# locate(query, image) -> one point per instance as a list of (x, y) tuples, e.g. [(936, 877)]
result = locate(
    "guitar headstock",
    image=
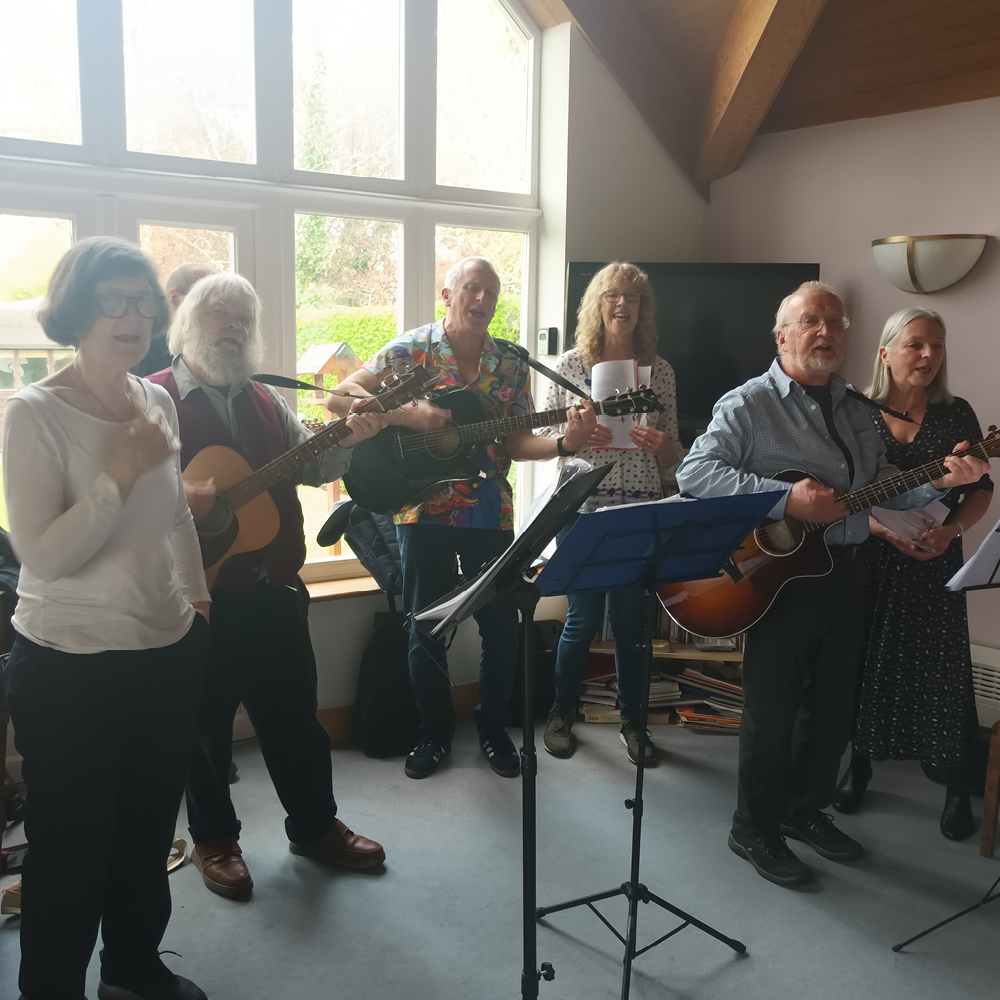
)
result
[(399, 388), (641, 400)]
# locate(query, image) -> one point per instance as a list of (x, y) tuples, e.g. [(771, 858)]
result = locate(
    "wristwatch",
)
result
[(562, 452)]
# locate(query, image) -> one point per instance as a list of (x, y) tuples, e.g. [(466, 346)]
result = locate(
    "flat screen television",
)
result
[(714, 321)]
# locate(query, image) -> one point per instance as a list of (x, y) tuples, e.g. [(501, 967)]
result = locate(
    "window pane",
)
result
[(345, 273), (482, 97), (170, 246), (347, 95), (30, 248), (189, 78), (39, 71)]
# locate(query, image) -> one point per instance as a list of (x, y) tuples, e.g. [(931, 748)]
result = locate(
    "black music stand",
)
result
[(649, 544), (984, 575), (506, 575)]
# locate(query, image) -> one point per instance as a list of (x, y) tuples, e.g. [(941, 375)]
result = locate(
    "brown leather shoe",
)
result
[(342, 847), (222, 868)]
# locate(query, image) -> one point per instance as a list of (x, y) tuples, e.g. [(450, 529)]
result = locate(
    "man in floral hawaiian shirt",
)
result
[(471, 521)]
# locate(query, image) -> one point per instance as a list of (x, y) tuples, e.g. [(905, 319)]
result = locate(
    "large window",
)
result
[(341, 154)]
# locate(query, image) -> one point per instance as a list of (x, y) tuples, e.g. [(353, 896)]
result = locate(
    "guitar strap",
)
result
[(290, 383), (862, 398), (522, 355)]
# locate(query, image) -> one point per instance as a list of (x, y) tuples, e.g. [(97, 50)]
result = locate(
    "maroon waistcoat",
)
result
[(263, 440)]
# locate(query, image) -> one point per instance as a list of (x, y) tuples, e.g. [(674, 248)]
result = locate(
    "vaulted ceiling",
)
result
[(709, 75)]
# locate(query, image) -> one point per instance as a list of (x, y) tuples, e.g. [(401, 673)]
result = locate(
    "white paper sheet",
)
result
[(983, 569), (606, 379), (911, 524)]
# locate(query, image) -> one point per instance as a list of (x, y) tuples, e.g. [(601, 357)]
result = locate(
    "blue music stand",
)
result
[(648, 545)]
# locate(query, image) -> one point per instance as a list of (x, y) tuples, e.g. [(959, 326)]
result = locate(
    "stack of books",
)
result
[(718, 691), (599, 698)]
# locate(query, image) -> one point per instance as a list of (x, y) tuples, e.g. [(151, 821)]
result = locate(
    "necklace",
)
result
[(114, 416)]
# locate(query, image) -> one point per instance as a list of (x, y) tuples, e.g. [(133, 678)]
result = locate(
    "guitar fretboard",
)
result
[(486, 430), (885, 489)]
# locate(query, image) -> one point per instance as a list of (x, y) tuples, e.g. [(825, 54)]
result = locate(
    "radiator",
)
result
[(986, 680)]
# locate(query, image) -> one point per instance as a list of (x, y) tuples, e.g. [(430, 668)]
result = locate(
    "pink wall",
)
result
[(823, 194)]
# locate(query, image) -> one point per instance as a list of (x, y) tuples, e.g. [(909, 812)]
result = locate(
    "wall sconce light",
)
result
[(927, 263)]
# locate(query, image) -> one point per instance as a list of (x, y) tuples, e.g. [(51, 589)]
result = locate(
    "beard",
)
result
[(821, 363), (226, 364)]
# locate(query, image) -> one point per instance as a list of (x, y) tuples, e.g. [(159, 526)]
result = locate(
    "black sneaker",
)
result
[(771, 856), (425, 757), (500, 751), (822, 836), (629, 736)]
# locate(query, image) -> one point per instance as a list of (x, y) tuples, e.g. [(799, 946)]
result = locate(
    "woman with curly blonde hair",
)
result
[(617, 322)]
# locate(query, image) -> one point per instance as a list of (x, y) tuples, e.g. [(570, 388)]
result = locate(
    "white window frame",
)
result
[(107, 189)]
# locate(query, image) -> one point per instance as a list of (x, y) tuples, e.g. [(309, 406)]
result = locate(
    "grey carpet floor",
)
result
[(443, 919)]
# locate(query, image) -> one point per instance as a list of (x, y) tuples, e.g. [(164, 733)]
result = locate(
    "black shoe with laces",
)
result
[(501, 753), (818, 831), (158, 984), (771, 856), (424, 758)]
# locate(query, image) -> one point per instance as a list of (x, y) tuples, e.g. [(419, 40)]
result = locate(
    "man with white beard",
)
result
[(261, 653), (801, 660)]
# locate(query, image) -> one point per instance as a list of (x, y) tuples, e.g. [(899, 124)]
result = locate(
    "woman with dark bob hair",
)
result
[(112, 635)]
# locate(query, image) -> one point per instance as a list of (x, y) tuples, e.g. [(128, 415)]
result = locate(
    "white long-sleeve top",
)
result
[(96, 573)]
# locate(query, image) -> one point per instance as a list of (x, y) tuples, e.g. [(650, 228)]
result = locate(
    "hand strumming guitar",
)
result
[(812, 501)]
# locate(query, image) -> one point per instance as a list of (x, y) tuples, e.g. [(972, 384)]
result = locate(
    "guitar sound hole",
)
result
[(443, 442), (780, 538)]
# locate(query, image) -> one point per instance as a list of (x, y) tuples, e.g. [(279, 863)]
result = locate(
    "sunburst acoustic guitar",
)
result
[(249, 513), (400, 465), (779, 552)]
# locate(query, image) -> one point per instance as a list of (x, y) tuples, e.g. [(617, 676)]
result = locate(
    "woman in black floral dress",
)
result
[(916, 698)]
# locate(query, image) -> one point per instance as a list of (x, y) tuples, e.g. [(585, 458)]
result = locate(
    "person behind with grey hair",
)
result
[(472, 520), (261, 653), (179, 282), (916, 698), (799, 661)]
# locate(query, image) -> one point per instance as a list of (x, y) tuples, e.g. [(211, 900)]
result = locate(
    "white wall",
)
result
[(823, 194)]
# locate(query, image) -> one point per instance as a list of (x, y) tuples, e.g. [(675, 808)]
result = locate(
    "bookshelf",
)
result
[(677, 651)]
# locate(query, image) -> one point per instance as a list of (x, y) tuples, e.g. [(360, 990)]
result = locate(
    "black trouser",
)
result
[(800, 668), (428, 553), (262, 655), (105, 739)]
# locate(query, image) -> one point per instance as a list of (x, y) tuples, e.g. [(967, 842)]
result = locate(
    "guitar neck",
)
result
[(284, 466), (885, 489), (485, 430)]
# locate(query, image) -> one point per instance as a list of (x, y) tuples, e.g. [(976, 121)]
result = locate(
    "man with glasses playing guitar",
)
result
[(801, 657), (261, 653), (467, 520)]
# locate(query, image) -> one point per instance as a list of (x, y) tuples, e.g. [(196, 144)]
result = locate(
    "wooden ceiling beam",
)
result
[(762, 42), (642, 70)]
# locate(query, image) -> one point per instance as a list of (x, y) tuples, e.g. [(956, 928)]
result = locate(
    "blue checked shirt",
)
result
[(771, 425)]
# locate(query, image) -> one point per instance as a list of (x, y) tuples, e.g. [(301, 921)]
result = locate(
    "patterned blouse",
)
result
[(637, 476), (504, 386)]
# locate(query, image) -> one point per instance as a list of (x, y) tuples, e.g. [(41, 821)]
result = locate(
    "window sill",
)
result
[(340, 590)]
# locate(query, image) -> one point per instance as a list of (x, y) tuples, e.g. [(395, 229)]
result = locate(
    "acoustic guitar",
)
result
[(780, 551), (242, 502), (400, 465)]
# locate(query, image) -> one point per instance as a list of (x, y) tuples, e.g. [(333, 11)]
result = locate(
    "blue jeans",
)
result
[(585, 612), (429, 554)]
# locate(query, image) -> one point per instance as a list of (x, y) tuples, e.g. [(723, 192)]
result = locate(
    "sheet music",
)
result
[(607, 378), (983, 569), (911, 524)]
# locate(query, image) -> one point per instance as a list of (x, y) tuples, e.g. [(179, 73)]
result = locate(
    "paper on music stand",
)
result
[(983, 569), (574, 467), (608, 378)]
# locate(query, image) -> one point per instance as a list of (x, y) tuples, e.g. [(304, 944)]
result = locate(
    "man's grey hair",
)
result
[(454, 275), (216, 288), (781, 316), (881, 383), (185, 276)]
